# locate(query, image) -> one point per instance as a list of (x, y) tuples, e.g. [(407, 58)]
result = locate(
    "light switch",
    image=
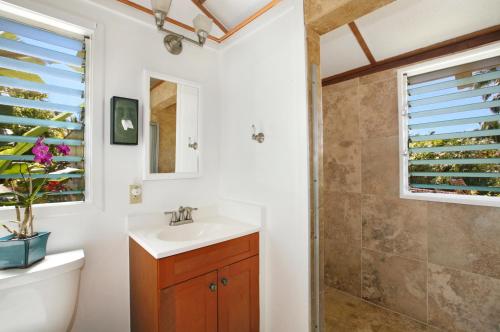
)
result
[(135, 193)]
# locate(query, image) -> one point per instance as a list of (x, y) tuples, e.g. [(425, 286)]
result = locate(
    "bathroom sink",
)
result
[(162, 240), (193, 231)]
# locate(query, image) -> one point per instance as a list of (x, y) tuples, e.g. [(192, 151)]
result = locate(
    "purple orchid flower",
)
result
[(63, 149), (41, 152)]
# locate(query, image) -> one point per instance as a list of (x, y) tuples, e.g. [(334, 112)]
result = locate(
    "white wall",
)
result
[(257, 78), (129, 47), (263, 82)]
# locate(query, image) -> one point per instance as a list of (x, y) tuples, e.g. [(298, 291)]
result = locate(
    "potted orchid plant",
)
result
[(24, 247)]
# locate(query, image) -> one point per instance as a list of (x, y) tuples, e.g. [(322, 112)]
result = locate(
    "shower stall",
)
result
[(380, 261)]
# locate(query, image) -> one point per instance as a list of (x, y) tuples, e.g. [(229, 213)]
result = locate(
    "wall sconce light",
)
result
[(173, 41), (257, 137)]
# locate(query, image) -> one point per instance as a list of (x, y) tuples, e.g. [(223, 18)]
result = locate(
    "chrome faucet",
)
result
[(182, 216)]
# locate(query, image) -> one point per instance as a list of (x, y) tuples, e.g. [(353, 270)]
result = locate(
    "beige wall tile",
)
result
[(378, 111), (339, 87), (343, 152), (343, 266), (394, 282), (342, 177), (385, 75), (395, 226), (380, 166), (462, 301), (465, 237), (340, 115), (342, 216)]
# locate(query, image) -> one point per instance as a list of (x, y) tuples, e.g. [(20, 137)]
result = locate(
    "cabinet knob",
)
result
[(212, 287), (224, 281)]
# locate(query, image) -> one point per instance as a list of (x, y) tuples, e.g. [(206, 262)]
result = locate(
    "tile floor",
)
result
[(346, 313)]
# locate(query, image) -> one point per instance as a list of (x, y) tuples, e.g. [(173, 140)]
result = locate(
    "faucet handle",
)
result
[(189, 211), (173, 215)]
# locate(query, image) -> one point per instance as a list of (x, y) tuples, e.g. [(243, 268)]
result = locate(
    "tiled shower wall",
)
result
[(438, 263)]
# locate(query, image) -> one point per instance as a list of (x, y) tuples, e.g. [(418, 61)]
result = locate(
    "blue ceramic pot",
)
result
[(22, 253)]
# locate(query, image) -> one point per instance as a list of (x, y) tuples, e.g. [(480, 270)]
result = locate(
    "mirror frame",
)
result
[(147, 175)]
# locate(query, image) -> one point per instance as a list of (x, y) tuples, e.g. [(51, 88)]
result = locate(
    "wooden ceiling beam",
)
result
[(362, 42), (199, 4), (465, 42), (250, 19)]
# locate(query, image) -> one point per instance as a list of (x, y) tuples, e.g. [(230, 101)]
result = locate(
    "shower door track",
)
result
[(316, 127)]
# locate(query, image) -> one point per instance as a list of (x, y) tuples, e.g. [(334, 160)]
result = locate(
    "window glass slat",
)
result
[(454, 96), (454, 122), (463, 161), (40, 35), (34, 68), (465, 134), (39, 52), (25, 157), (452, 187), (41, 105), (413, 91), (39, 87), (458, 174), (40, 122), (42, 176), (477, 147), (454, 109), (28, 139)]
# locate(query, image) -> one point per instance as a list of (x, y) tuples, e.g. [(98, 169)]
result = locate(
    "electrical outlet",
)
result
[(135, 193)]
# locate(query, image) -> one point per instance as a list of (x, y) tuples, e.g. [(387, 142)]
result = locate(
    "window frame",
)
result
[(53, 20), (472, 55)]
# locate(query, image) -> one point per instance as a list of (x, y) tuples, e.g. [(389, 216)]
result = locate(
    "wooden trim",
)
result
[(228, 33), (168, 19), (250, 19), (199, 4), (362, 42), (465, 42)]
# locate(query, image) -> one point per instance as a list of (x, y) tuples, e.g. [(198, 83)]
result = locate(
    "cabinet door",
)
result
[(239, 296), (190, 306)]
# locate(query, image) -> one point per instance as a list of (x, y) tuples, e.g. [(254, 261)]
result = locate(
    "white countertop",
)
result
[(162, 240)]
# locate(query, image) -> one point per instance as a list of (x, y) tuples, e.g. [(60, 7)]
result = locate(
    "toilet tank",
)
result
[(43, 297)]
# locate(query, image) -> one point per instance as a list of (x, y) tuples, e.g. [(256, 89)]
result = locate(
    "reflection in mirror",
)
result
[(163, 104), (172, 129)]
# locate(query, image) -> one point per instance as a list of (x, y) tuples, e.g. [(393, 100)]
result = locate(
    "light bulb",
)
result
[(202, 23), (161, 5)]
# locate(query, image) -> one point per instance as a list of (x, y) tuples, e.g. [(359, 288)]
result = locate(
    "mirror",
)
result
[(170, 127)]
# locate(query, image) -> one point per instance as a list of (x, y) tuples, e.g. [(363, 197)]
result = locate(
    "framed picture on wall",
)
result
[(124, 121)]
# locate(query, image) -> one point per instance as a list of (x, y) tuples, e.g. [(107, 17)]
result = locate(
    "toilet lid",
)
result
[(52, 265)]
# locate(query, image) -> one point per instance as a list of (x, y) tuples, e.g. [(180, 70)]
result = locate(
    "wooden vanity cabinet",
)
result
[(214, 288)]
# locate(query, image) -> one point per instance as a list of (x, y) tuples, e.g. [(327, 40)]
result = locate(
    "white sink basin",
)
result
[(162, 240), (194, 231)]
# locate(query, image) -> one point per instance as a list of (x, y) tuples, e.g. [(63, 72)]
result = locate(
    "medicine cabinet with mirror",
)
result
[(171, 146)]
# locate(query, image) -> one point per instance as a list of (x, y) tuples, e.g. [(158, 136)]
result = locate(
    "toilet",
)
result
[(43, 297)]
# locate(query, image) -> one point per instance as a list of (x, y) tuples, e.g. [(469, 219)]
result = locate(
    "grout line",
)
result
[(360, 198), (384, 308), (427, 263), (464, 271), (396, 255)]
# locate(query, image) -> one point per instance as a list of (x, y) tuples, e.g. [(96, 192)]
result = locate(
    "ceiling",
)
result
[(229, 16), (404, 26)]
